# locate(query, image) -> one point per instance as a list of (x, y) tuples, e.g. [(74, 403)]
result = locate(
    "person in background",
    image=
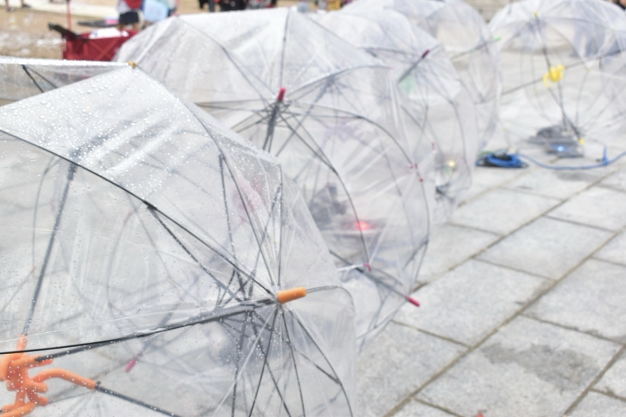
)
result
[(22, 5), (232, 5), (211, 4), (129, 14)]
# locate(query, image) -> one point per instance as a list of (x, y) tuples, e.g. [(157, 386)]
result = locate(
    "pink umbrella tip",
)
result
[(413, 301), (426, 52), (281, 94), (130, 364)]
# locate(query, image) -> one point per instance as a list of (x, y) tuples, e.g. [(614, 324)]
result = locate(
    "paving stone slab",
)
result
[(450, 245), (415, 409), (597, 206), (467, 303), (501, 211), (546, 247), (590, 299), (529, 368), (485, 179), (395, 364), (615, 250), (614, 380), (616, 180), (555, 184), (598, 405)]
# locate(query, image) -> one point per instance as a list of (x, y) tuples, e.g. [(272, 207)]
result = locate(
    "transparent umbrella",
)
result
[(439, 111), (156, 263), (26, 77), (328, 111), (565, 72), (468, 42)]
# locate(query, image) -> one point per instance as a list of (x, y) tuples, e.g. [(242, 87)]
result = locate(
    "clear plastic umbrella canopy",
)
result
[(439, 112), (154, 263), (328, 111), (564, 72), (468, 42), (26, 77)]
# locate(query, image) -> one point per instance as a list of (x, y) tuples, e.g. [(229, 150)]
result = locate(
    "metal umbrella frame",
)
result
[(564, 67), (329, 112), (439, 112), (163, 264)]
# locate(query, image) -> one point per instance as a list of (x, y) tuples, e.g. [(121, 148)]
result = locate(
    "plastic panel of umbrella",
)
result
[(24, 77), (439, 112), (148, 253), (565, 73), (470, 46), (328, 111)]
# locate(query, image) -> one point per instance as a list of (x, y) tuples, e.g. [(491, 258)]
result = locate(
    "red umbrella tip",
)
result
[(413, 301), (131, 364), (281, 94)]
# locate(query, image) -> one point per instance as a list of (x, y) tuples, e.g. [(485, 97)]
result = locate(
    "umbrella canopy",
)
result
[(156, 263), (565, 72), (328, 111), (26, 77), (469, 43), (440, 112)]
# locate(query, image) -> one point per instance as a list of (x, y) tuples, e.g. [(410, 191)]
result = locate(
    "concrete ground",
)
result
[(523, 298)]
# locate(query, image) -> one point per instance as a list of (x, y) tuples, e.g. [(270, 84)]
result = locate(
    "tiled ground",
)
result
[(523, 298)]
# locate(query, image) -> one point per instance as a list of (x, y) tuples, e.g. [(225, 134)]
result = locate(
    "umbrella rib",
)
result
[(33, 79), (36, 208), (266, 356), (44, 266), (293, 358), (242, 334), (284, 48), (200, 319), (226, 211), (112, 393), (280, 226)]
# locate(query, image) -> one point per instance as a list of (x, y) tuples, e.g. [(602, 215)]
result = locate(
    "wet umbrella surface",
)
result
[(327, 110), (26, 77), (155, 263)]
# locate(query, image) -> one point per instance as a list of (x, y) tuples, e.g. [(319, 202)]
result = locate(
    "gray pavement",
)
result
[(523, 298)]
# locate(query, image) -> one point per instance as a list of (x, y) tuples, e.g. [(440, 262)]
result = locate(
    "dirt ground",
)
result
[(24, 32)]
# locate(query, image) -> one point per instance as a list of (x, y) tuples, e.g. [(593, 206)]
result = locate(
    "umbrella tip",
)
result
[(131, 364), (132, 64), (413, 301), (281, 94), (426, 52), (285, 296)]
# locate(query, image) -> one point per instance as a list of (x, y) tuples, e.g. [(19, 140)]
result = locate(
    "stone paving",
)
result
[(523, 298)]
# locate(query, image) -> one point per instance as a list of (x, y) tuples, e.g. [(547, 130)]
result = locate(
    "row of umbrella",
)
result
[(218, 222), (160, 261)]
